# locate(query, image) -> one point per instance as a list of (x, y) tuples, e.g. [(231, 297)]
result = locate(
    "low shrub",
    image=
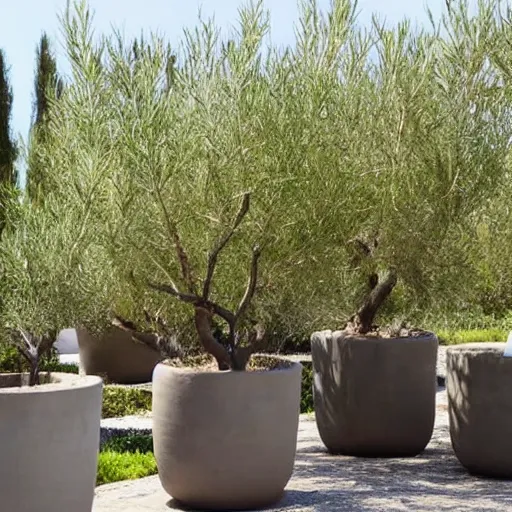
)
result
[(449, 337), (123, 401), (60, 367), (10, 360), (120, 401), (114, 466), (130, 444)]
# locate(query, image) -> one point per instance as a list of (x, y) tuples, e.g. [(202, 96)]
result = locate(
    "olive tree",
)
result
[(43, 265), (364, 156), (414, 129), (183, 171)]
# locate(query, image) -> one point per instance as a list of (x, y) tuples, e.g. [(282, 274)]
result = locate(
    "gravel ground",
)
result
[(431, 482)]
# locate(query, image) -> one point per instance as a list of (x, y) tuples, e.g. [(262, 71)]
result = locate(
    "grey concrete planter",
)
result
[(50, 437), (225, 440), (117, 356), (374, 397), (479, 386)]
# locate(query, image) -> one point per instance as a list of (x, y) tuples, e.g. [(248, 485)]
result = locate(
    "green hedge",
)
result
[(114, 466), (133, 443), (306, 398), (126, 458), (124, 401), (456, 337)]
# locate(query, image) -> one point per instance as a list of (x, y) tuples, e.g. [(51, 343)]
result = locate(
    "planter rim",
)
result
[(426, 335), (60, 382), (483, 346), (292, 367)]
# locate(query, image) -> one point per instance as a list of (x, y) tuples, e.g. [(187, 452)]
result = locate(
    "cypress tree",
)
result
[(47, 80), (7, 145), (47, 84)]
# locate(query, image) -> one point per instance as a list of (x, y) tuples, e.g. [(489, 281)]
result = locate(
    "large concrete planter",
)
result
[(117, 356), (225, 440), (480, 407), (50, 440), (374, 397)]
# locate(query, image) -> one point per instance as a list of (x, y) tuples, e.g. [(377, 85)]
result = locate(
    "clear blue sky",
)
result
[(23, 21)]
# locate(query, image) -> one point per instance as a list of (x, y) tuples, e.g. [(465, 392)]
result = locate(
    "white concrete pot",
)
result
[(49, 443), (225, 440)]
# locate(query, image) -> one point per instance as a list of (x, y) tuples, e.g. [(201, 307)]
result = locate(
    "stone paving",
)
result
[(431, 482)]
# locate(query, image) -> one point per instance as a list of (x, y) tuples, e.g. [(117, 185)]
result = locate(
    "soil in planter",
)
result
[(20, 380), (207, 363), (387, 332)]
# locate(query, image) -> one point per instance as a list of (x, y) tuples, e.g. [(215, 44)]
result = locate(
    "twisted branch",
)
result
[(32, 348), (234, 356), (195, 300), (251, 285)]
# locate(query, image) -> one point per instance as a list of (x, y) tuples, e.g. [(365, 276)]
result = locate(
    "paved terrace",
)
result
[(431, 482)]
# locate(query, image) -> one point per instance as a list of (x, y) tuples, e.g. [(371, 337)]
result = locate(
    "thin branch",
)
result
[(195, 300), (186, 269), (172, 290), (251, 285), (28, 343), (32, 352), (221, 243)]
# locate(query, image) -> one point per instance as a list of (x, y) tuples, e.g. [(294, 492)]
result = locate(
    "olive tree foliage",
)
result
[(47, 275), (178, 154), (291, 187), (420, 138), (492, 256)]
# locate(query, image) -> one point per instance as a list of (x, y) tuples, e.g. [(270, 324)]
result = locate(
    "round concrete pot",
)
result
[(117, 356), (374, 397), (225, 440), (478, 380), (50, 439)]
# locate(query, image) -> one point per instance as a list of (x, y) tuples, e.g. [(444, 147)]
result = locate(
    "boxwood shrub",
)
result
[(124, 401), (114, 466)]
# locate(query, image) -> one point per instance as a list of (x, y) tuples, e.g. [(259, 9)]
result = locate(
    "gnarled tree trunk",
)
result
[(363, 320)]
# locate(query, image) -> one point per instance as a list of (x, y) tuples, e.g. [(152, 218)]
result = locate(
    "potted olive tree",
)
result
[(424, 147), (50, 423), (198, 406), (478, 374), (185, 152), (121, 343)]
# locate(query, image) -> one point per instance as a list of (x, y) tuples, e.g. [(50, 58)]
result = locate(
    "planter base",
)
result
[(50, 439), (374, 397), (225, 440), (480, 407)]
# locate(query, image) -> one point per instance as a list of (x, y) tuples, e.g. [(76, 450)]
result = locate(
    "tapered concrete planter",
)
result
[(117, 356), (480, 407), (49, 443), (374, 396), (225, 440)]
